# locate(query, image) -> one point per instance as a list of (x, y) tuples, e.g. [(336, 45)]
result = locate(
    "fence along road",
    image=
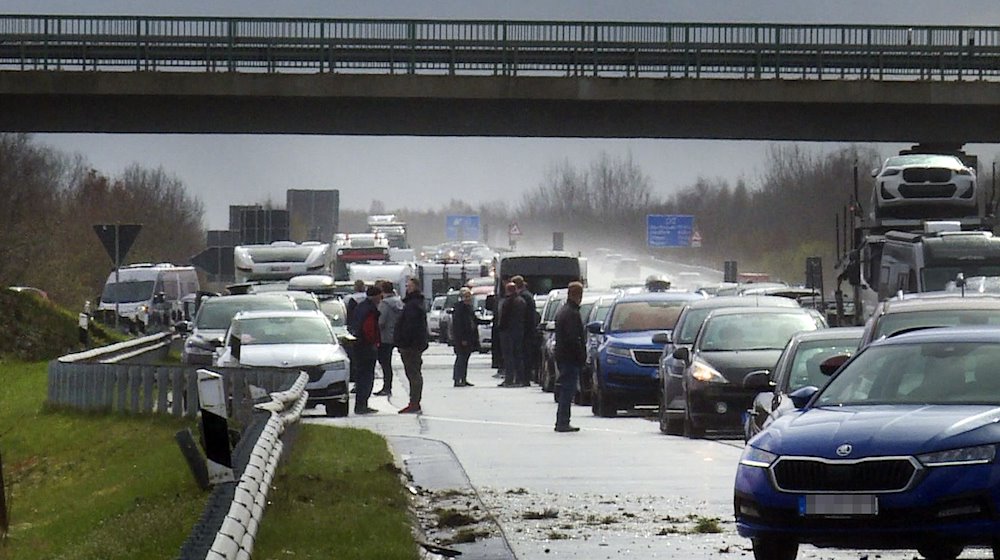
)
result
[(510, 48)]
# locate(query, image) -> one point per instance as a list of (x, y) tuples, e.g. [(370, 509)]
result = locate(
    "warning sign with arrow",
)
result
[(696, 238)]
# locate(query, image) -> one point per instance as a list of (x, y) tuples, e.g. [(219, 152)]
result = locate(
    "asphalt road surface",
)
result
[(618, 488)]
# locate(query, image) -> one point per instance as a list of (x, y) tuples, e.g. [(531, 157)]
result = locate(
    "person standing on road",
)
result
[(412, 340), (364, 327), (570, 354), (511, 328), (464, 336), (389, 311), (350, 304), (531, 353)]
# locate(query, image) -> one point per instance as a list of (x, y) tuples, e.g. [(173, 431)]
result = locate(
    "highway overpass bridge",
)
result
[(499, 78)]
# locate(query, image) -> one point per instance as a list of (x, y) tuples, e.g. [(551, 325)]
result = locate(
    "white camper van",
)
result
[(134, 291)]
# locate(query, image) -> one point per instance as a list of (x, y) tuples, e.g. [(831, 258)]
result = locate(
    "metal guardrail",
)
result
[(509, 48), (123, 351)]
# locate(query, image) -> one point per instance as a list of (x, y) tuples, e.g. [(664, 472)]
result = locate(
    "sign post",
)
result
[(513, 232), (669, 230), (117, 239)]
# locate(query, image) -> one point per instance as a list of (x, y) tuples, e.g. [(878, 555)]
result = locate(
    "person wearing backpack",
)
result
[(364, 326), (412, 340)]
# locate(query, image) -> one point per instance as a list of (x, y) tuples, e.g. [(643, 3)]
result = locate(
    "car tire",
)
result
[(774, 548), (692, 430), (549, 378), (338, 409), (941, 551), (601, 404)]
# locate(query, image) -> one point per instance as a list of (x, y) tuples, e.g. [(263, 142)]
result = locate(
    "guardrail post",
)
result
[(191, 394), (212, 396), (148, 382), (134, 384), (177, 392)]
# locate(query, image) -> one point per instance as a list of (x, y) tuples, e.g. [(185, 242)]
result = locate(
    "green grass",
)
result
[(336, 495), (87, 486)]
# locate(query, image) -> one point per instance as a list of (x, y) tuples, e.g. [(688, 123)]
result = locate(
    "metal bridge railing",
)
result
[(613, 49)]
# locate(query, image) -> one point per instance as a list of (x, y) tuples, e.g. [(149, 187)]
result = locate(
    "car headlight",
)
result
[(339, 365), (890, 172), (979, 455), (964, 171), (755, 457), (706, 373), (619, 351)]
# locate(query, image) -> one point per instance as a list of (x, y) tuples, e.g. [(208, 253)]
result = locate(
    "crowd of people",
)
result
[(381, 321)]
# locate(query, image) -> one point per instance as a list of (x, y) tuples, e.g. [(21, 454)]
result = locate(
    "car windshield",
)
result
[(925, 373), (306, 303), (692, 322), (128, 291), (283, 330), (600, 311), (218, 312), (892, 323), (334, 310), (753, 331), (804, 370), (928, 160), (645, 315)]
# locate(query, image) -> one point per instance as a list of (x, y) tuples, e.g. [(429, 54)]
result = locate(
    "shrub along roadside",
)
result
[(336, 495), (88, 486)]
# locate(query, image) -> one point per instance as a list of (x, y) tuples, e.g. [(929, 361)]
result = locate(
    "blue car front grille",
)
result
[(797, 474)]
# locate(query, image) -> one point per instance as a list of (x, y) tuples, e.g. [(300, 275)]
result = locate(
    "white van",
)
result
[(134, 292)]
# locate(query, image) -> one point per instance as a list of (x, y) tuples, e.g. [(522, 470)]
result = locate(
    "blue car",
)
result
[(897, 450), (624, 373)]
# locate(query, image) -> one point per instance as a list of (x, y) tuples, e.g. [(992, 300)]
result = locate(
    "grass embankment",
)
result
[(336, 495), (111, 486), (88, 486)]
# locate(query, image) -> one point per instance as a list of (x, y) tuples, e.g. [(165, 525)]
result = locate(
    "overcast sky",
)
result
[(427, 172)]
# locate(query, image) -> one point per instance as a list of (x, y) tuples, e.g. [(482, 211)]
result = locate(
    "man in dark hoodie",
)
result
[(411, 339), (364, 327)]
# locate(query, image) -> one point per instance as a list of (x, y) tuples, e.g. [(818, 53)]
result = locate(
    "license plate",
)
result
[(280, 268), (838, 505)]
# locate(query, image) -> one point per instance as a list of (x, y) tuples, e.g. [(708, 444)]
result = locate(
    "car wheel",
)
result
[(549, 382), (337, 409), (694, 431), (774, 548), (601, 404), (941, 551)]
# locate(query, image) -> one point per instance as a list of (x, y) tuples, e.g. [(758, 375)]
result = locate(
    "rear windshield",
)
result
[(646, 315), (217, 313), (893, 323)]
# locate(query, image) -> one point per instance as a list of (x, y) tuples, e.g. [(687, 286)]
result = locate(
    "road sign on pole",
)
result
[(117, 239), (461, 227), (669, 230)]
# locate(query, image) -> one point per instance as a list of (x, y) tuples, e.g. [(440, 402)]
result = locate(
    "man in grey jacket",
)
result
[(389, 310)]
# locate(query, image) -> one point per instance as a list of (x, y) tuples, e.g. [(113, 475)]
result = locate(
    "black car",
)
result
[(671, 410), (797, 367), (731, 344)]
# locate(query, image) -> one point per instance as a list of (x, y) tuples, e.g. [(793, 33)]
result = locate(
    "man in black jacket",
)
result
[(570, 354), (412, 339), (464, 336)]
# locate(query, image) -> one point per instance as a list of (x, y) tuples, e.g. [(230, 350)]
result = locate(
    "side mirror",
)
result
[(450, 310), (595, 327), (662, 338), (491, 303), (683, 354), (234, 346), (875, 172), (758, 381), (832, 364), (801, 396), (550, 326)]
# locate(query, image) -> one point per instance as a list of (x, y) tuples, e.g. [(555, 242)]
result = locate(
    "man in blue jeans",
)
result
[(570, 354)]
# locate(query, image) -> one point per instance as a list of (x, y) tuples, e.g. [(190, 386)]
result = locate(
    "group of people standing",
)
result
[(380, 321)]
